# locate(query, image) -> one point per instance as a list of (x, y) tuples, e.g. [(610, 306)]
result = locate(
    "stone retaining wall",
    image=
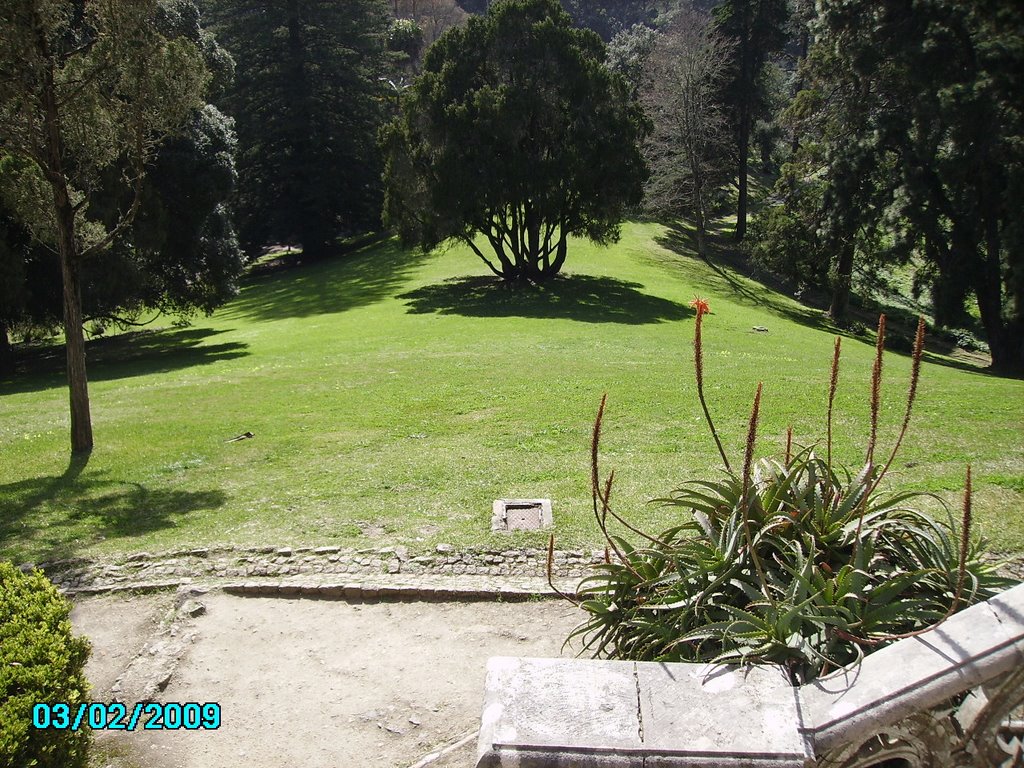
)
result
[(268, 562), (278, 562)]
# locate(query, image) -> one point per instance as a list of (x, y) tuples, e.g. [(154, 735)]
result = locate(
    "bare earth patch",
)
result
[(319, 684)]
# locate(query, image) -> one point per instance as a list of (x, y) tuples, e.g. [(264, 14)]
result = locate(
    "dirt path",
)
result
[(319, 684)]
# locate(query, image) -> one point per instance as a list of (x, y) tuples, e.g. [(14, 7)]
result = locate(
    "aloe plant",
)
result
[(792, 561)]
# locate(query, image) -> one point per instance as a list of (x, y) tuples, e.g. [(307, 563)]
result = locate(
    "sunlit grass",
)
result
[(391, 391)]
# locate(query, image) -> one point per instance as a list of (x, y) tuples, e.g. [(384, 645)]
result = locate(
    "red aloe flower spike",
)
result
[(915, 375), (748, 456), (595, 441), (876, 387), (965, 539), (748, 463), (698, 366), (701, 305)]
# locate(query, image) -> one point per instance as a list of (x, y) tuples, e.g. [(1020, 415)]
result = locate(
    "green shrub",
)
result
[(790, 561), (784, 241), (40, 661)]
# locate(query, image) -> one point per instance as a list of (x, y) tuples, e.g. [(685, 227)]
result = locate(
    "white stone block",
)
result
[(704, 715), (545, 711), (915, 673)]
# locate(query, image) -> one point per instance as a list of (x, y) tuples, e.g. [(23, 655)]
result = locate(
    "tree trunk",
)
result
[(6, 351), (560, 252), (74, 338), (841, 288), (741, 202), (702, 246), (743, 137), (536, 259), (67, 249), (698, 207), (312, 217), (805, 39), (1004, 339)]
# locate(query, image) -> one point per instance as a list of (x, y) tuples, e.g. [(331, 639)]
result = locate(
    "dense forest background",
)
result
[(869, 145)]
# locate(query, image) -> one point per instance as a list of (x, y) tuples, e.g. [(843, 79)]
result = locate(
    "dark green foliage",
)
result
[(609, 17), (516, 130), (40, 662), (180, 253), (784, 240), (307, 100), (758, 30), (914, 125)]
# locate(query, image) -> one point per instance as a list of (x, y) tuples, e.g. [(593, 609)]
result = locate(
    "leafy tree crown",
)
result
[(515, 129)]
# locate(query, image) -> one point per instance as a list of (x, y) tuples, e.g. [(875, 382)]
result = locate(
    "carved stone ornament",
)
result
[(981, 729)]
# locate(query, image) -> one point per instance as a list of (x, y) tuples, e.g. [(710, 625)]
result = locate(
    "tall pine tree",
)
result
[(307, 101), (757, 29)]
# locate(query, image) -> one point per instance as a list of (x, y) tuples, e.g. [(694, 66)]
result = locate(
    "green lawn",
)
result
[(393, 396)]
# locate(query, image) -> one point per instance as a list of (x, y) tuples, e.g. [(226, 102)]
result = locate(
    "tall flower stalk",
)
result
[(832, 384), (703, 308), (915, 375), (746, 497), (876, 388)]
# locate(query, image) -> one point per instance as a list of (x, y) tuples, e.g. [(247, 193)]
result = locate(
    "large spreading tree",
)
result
[(308, 98), (179, 255), (86, 87), (517, 131)]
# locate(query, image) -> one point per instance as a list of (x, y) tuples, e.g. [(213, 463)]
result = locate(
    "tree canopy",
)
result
[(757, 29), (87, 91), (688, 149), (912, 143), (307, 99), (515, 130)]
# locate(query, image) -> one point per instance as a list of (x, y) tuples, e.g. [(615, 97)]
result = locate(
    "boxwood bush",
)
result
[(40, 661)]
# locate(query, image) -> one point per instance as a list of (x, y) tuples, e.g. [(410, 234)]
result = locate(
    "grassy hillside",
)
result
[(392, 396)]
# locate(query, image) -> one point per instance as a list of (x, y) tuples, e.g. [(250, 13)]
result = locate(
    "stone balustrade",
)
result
[(943, 698)]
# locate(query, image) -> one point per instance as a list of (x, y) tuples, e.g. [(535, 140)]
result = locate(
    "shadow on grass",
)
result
[(727, 261), (47, 518), (334, 284), (586, 298), (119, 357)]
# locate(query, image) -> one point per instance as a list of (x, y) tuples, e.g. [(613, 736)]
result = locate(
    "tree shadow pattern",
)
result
[(326, 286), (727, 261), (123, 356), (51, 517), (585, 298)]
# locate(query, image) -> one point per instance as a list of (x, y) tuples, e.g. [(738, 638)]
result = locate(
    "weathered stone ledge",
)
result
[(145, 571), (325, 571)]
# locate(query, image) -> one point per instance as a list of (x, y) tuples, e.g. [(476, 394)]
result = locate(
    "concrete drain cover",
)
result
[(521, 514)]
